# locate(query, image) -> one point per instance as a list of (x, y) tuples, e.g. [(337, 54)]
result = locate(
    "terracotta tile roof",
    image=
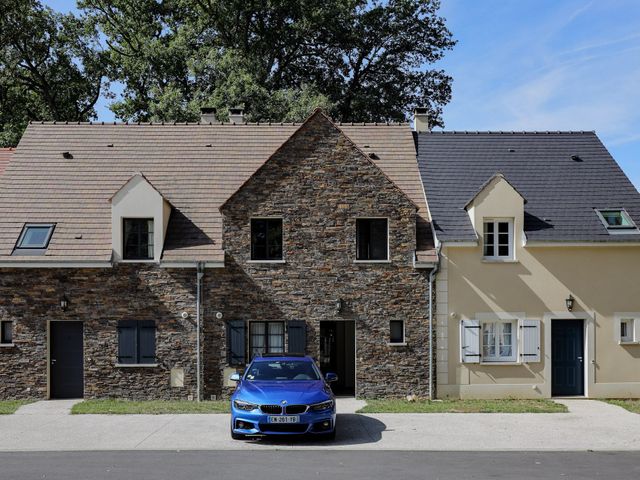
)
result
[(195, 167), (5, 157)]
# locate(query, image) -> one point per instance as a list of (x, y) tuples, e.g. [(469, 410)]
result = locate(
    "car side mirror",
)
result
[(331, 377), (235, 377)]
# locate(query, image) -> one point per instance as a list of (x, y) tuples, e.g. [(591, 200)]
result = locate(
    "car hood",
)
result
[(296, 392)]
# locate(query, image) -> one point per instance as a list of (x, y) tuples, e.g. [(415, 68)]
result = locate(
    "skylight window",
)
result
[(616, 219), (35, 236)]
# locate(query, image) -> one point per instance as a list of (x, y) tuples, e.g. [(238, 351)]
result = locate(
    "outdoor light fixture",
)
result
[(339, 305), (569, 302), (64, 302)]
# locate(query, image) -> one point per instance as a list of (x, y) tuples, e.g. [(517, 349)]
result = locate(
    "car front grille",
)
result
[(271, 409), (295, 409)]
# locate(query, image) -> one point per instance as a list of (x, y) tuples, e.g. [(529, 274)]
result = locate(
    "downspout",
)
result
[(199, 275), (432, 276)]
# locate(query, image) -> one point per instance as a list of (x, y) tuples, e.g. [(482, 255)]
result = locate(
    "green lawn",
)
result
[(633, 405), (153, 407), (462, 406), (7, 407)]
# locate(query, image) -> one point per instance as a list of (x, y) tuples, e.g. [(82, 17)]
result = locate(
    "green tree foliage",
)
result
[(362, 60), (51, 67)]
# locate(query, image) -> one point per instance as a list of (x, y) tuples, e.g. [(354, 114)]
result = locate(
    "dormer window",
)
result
[(138, 238), (34, 238), (616, 219), (498, 239)]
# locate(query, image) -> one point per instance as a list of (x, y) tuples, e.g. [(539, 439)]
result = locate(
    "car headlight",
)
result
[(242, 405), (322, 406)]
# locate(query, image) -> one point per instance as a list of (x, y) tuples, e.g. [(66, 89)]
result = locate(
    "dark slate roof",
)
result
[(561, 192)]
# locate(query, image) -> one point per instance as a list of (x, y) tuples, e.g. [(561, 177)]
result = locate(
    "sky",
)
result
[(538, 65)]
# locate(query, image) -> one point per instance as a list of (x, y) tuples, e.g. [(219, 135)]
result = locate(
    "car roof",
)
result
[(271, 358)]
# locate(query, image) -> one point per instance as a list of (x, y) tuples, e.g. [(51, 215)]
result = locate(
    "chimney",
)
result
[(236, 115), (208, 115), (421, 119)]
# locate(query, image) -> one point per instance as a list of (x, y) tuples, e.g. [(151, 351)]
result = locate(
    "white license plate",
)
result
[(285, 419)]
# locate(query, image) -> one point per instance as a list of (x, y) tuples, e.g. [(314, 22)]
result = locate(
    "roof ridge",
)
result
[(509, 132), (171, 123)]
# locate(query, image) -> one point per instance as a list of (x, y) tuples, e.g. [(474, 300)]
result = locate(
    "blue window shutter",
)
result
[(236, 342), (127, 344), (147, 341), (297, 336)]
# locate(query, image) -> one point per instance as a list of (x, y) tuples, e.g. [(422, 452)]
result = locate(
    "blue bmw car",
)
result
[(283, 395)]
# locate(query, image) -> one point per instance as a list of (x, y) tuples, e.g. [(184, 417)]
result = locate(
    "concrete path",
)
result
[(48, 407), (590, 425)]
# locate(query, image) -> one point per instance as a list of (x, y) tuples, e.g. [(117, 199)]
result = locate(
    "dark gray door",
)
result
[(67, 363), (567, 357), (337, 354)]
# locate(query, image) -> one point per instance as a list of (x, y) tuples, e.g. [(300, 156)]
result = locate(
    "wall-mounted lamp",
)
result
[(64, 302), (569, 301), (339, 305)]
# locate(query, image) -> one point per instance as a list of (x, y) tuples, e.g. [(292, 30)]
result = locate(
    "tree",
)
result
[(51, 67), (360, 59)]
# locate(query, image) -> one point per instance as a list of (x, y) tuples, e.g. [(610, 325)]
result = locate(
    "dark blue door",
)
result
[(67, 371), (567, 357)]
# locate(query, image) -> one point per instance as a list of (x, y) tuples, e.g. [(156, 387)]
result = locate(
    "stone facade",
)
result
[(319, 183), (99, 298)]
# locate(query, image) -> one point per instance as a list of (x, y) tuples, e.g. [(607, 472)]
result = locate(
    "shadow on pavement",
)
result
[(353, 429)]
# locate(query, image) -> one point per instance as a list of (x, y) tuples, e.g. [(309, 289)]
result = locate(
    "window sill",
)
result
[(399, 344), (509, 363), (7, 345), (137, 365), (372, 261), (498, 260), (621, 342), (267, 261)]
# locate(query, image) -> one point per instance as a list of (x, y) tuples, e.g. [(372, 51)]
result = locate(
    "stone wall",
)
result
[(99, 298), (319, 183)]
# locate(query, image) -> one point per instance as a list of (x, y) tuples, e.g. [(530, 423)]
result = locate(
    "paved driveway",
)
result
[(590, 425)]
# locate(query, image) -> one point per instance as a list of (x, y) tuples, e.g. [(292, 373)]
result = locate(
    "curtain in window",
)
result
[(258, 338), (497, 341), (276, 337)]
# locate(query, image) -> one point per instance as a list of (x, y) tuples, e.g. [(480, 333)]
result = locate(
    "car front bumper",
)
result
[(257, 423)]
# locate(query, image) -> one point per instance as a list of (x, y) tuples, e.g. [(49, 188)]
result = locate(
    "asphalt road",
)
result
[(281, 465)]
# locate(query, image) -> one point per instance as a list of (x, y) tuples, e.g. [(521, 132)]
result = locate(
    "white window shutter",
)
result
[(530, 341), (470, 341), (635, 335)]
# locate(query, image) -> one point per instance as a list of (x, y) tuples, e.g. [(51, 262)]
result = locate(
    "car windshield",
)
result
[(282, 370)]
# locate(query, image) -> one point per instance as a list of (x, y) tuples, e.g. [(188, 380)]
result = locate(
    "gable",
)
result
[(317, 135)]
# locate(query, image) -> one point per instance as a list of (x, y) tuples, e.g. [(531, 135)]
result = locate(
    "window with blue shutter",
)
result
[(136, 342)]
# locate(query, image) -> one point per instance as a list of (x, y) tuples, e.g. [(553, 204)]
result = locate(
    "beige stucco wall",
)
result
[(138, 199), (604, 281)]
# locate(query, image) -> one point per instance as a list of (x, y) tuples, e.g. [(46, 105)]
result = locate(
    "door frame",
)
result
[(49, 351), (588, 336), (355, 348)]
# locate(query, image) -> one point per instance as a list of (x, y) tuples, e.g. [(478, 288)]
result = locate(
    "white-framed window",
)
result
[(627, 327), (616, 219), (6, 332), (498, 241), (266, 337), (500, 341), (626, 330), (396, 332)]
